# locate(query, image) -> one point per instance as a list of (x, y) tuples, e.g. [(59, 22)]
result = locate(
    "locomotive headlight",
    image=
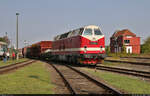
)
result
[(101, 48), (85, 48)]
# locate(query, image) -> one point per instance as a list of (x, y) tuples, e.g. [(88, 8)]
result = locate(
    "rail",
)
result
[(5, 69), (139, 73), (85, 76), (135, 63)]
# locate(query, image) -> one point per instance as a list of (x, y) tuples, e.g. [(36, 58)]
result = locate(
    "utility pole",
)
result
[(17, 14)]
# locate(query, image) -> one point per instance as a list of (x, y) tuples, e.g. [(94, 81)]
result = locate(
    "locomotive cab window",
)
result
[(81, 31), (87, 32), (97, 32), (64, 35)]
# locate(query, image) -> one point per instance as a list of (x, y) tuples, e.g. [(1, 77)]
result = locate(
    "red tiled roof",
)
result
[(124, 32)]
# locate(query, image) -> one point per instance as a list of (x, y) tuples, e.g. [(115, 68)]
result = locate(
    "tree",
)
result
[(107, 49), (123, 49), (145, 48), (2, 39), (5, 39)]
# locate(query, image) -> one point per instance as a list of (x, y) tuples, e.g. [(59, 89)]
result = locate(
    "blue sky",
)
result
[(44, 19)]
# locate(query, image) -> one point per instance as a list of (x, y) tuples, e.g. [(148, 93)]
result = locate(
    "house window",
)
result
[(126, 41)]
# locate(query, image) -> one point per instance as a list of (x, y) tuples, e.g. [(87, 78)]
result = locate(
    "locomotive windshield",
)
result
[(97, 32), (87, 32)]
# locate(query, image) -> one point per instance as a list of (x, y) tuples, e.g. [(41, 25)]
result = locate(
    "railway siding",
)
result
[(9, 62), (7, 68), (137, 57), (97, 81), (1, 67), (81, 84), (130, 62), (127, 84), (139, 73), (127, 66)]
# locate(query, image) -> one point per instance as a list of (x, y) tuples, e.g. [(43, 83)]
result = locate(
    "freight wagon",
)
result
[(36, 50)]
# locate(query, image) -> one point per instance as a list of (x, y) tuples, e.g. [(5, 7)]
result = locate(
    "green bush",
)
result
[(145, 48), (107, 49), (118, 54), (2, 39)]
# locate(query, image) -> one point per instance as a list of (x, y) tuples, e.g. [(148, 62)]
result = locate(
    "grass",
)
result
[(120, 59), (128, 55), (129, 84), (106, 63), (125, 60), (113, 58), (32, 79), (122, 55), (10, 61)]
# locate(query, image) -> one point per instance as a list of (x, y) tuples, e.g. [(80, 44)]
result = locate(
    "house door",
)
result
[(129, 49)]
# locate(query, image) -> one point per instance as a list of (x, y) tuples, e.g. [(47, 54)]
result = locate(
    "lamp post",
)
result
[(17, 14)]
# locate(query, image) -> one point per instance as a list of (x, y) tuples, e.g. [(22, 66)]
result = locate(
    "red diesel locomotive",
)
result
[(84, 45)]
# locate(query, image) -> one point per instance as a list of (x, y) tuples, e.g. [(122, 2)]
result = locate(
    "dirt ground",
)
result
[(57, 81)]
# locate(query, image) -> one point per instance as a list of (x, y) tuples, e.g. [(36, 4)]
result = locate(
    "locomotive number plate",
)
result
[(94, 43)]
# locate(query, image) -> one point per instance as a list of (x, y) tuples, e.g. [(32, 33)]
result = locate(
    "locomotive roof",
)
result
[(91, 26), (64, 35)]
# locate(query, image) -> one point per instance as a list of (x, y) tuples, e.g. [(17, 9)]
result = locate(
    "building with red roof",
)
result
[(127, 39)]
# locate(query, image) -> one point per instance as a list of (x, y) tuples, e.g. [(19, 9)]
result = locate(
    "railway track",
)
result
[(135, 63), (80, 83), (139, 73), (7, 68), (134, 57)]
